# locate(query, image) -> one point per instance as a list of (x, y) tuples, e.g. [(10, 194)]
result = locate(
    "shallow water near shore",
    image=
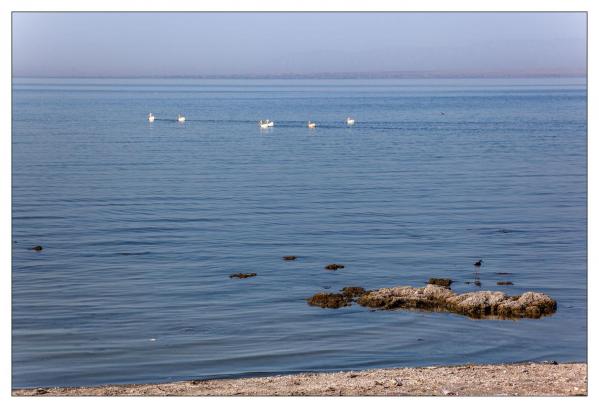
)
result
[(142, 224)]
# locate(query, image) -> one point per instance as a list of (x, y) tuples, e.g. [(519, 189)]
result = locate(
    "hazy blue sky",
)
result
[(113, 44)]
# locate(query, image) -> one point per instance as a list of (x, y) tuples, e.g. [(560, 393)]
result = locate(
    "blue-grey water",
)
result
[(142, 224)]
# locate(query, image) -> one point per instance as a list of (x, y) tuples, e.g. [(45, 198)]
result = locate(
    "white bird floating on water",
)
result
[(350, 121), (151, 117), (180, 118), (264, 124), (311, 125)]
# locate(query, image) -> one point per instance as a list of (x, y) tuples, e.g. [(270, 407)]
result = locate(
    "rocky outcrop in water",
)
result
[(334, 267), (481, 304), (474, 304)]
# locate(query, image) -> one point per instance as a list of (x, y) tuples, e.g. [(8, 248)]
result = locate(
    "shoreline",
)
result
[(519, 379)]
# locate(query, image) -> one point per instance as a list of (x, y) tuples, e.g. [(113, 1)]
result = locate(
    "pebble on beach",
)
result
[(538, 379)]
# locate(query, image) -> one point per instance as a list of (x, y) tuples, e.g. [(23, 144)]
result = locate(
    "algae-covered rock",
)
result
[(504, 283), (289, 258), (474, 304), (334, 267), (529, 304), (440, 282), (429, 297), (352, 292), (335, 300), (329, 300), (242, 275)]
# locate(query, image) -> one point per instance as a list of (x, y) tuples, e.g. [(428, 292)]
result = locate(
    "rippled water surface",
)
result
[(142, 224)]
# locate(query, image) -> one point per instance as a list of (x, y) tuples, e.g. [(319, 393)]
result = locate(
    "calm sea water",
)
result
[(142, 223)]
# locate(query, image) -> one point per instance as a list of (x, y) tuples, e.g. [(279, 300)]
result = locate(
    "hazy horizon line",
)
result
[(343, 75)]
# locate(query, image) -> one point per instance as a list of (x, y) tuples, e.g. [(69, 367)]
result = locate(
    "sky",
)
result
[(214, 44)]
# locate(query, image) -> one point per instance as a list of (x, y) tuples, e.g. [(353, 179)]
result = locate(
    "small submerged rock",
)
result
[(440, 282), (289, 258), (334, 267), (504, 283), (474, 304), (242, 275), (329, 300), (337, 300), (37, 248), (352, 292)]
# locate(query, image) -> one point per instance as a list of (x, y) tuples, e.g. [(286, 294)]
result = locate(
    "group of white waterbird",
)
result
[(152, 118), (264, 124)]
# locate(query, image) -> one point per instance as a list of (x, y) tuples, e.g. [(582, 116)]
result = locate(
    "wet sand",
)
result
[(467, 380)]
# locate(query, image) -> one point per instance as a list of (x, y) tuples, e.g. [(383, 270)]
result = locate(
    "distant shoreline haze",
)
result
[(341, 75), (299, 45)]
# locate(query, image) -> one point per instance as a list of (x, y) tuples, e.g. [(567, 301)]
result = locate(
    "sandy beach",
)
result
[(528, 379)]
